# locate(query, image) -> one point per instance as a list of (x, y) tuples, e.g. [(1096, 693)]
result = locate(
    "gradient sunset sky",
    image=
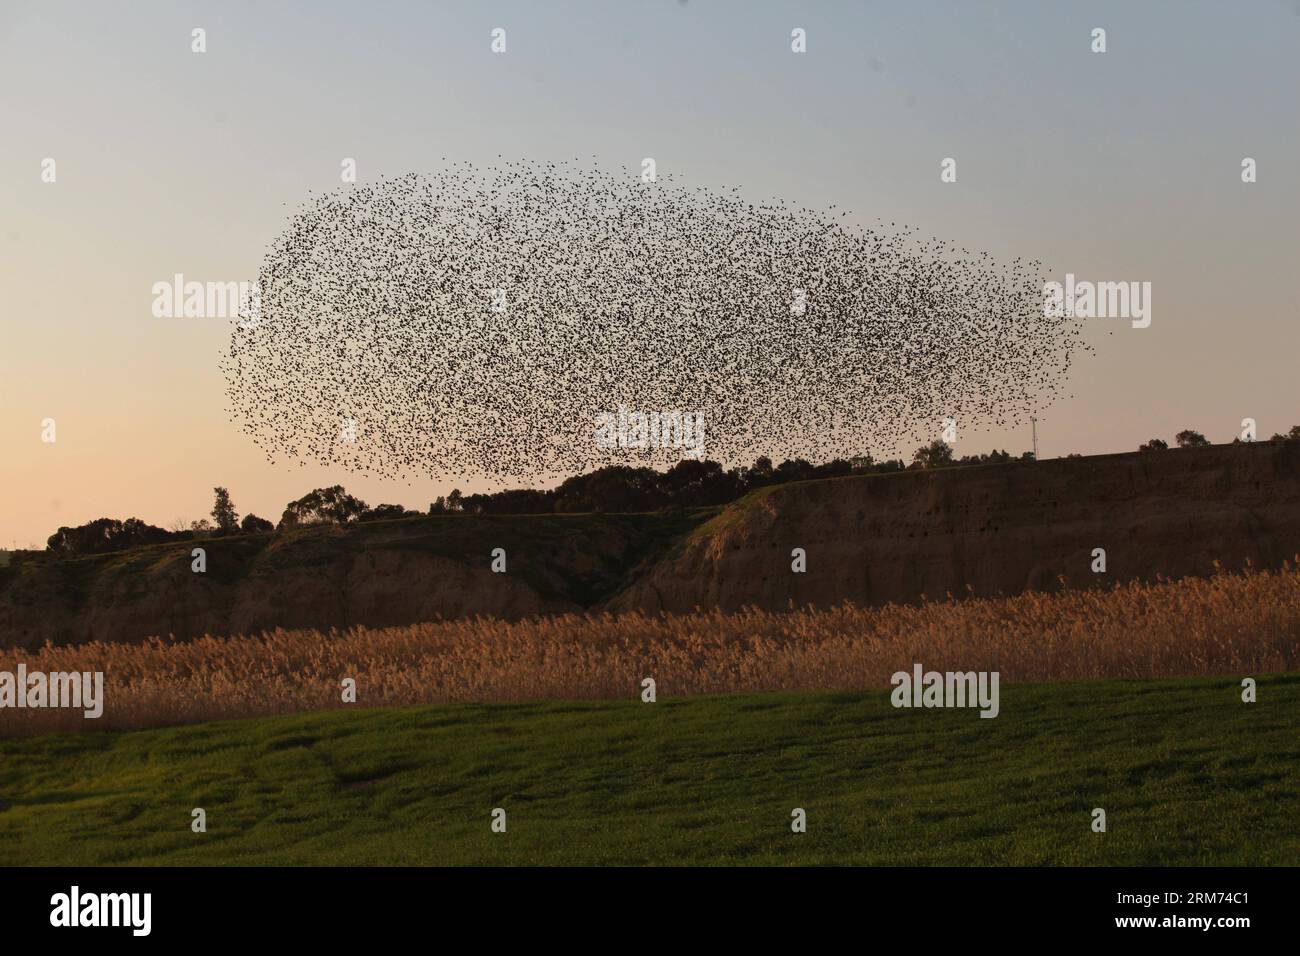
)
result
[(1117, 166)]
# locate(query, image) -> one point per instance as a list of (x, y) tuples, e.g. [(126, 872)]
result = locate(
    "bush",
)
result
[(935, 455), (1190, 439), (330, 505), (103, 535), (252, 524)]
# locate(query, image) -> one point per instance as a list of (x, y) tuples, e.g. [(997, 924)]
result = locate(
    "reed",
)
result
[(1230, 624)]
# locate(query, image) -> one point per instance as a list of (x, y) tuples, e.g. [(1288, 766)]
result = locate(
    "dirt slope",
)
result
[(381, 573), (999, 528), (870, 540)]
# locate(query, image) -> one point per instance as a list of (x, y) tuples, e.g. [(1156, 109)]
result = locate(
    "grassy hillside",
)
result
[(1187, 773), (465, 538), (557, 562)]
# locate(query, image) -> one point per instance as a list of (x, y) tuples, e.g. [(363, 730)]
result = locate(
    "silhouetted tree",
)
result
[(103, 535), (760, 473), (794, 469), (692, 483), (387, 512), (994, 457), (1190, 439), (1155, 444), (252, 524), (935, 455), (330, 505), (223, 512)]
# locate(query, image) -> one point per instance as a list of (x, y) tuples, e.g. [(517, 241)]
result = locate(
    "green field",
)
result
[(1187, 774)]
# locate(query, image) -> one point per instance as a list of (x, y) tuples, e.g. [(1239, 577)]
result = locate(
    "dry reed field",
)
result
[(1229, 624)]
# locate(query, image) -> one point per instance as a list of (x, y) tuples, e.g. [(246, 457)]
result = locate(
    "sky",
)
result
[(1124, 166)]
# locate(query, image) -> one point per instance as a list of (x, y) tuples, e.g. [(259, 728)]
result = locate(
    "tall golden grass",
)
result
[(1231, 624)]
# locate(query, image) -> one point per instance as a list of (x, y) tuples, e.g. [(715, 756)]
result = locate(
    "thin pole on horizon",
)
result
[(1033, 421)]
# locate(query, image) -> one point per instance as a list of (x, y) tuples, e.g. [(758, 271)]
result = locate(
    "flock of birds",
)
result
[(475, 322)]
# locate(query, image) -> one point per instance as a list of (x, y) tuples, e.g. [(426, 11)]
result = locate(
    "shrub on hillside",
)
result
[(252, 524)]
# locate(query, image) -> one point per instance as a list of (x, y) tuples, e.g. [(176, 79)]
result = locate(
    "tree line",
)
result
[(616, 488)]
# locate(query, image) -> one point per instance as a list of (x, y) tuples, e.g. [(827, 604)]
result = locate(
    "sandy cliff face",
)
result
[(998, 529), (378, 574), (870, 540), (383, 587)]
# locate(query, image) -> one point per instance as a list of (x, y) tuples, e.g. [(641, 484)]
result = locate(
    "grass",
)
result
[(1187, 774)]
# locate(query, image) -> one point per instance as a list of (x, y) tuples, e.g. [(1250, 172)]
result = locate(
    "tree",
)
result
[(1155, 444), (386, 512), (223, 512), (89, 538), (1190, 439), (994, 457), (330, 505), (694, 482), (103, 535), (793, 469), (760, 473), (252, 524), (935, 455)]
